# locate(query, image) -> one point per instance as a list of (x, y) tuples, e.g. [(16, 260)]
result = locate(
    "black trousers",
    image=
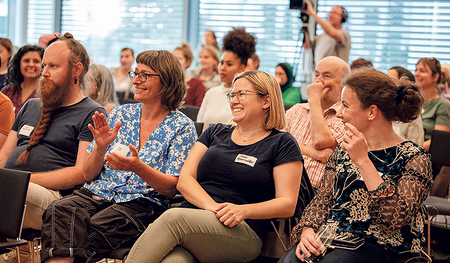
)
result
[(88, 229)]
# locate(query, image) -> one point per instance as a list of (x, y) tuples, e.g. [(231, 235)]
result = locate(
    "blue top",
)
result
[(165, 150)]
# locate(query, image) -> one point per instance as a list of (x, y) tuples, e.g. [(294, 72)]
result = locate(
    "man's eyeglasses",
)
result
[(240, 95), (141, 75)]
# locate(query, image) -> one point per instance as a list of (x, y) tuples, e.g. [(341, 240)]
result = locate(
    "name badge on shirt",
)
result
[(245, 159), (120, 149), (26, 130)]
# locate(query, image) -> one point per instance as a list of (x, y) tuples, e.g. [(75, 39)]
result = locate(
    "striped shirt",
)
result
[(298, 124)]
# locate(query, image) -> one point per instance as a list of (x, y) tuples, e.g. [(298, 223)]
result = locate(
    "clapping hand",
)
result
[(103, 135)]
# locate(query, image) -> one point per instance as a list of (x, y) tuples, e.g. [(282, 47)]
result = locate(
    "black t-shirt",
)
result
[(243, 174), (59, 146)]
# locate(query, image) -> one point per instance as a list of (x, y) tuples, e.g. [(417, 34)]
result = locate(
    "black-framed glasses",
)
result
[(141, 75), (240, 95)]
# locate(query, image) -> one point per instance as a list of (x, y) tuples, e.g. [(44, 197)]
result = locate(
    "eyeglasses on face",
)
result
[(240, 95), (141, 75)]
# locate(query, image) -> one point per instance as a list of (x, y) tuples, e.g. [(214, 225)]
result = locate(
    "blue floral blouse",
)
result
[(165, 150), (392, 215)]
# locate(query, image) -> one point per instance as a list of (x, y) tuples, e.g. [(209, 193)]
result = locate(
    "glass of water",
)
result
[(324, 237)]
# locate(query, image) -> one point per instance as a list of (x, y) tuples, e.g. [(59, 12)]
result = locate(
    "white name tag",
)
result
[(245, 159), (26, 130), (120, 149)]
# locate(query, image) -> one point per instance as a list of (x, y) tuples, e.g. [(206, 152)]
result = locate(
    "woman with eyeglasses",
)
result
[(238, 46), (23, 74), (234, 180), (133, 166), (375, 181)]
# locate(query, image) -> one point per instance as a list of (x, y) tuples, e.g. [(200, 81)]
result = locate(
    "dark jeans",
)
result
[(88, 229), (368, 253)]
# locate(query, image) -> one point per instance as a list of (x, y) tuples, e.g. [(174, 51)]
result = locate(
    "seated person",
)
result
[(207, 72), (373, 186), (120, 74), (131, 169), (285, 76), (435, 115), (23, 74), (412, 130), (238, 46), (196, 90), (253, 62), (235, 178), (50, 134), (100, 87)]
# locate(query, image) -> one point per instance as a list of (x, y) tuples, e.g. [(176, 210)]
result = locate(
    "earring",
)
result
[(370, 119), (75, 79)]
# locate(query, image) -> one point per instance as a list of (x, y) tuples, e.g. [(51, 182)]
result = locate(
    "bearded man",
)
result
[(50, 134)]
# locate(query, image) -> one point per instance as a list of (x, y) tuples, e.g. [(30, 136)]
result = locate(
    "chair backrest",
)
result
[(305, 195), (190, 111), (198, 127), (439, 147), (13, 191)]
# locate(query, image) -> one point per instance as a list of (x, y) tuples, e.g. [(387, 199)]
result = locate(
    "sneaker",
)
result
[(11, 257)]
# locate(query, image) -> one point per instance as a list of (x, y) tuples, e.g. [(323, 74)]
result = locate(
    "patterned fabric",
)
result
[(165, 150), (298, 124), (392, 215)]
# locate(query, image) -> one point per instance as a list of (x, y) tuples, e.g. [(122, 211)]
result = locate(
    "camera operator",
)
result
[(335, 41)]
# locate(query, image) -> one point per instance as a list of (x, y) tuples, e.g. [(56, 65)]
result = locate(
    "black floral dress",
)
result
[(392, 215)]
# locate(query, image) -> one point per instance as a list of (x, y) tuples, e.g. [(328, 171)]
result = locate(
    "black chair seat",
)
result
[(10, 244)]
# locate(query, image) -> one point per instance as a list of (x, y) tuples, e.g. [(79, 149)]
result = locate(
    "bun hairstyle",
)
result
[(240, 43), (79, 54), (187, 53), (396, 103)]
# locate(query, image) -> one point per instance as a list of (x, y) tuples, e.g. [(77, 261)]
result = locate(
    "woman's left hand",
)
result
[(355, 143), (230, 214), (122, 163)]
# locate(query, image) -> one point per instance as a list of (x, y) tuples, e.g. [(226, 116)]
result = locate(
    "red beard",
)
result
[(53, 95)]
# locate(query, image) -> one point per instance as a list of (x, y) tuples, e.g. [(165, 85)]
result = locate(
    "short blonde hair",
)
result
[(266, 85)]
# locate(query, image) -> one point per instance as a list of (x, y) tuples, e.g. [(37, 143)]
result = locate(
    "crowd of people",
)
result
[(102, 170)]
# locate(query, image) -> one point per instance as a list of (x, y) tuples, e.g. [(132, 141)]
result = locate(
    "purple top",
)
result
[(15, 95)]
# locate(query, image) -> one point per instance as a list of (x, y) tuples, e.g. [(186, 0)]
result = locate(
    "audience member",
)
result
[(335, 41), (210, 40), (6, 52), (100, 87), (132, 166), (207, 72), (435, 115), (235, 178), (436, 110), (238, 46), (361, 63), (50, 135), (412, 130), (23, 73), (445, 80), (122, 82), (314, 124), (196, 90), (6, 118), (374, 186), (397, 72), (253, 62), (285, 76)]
